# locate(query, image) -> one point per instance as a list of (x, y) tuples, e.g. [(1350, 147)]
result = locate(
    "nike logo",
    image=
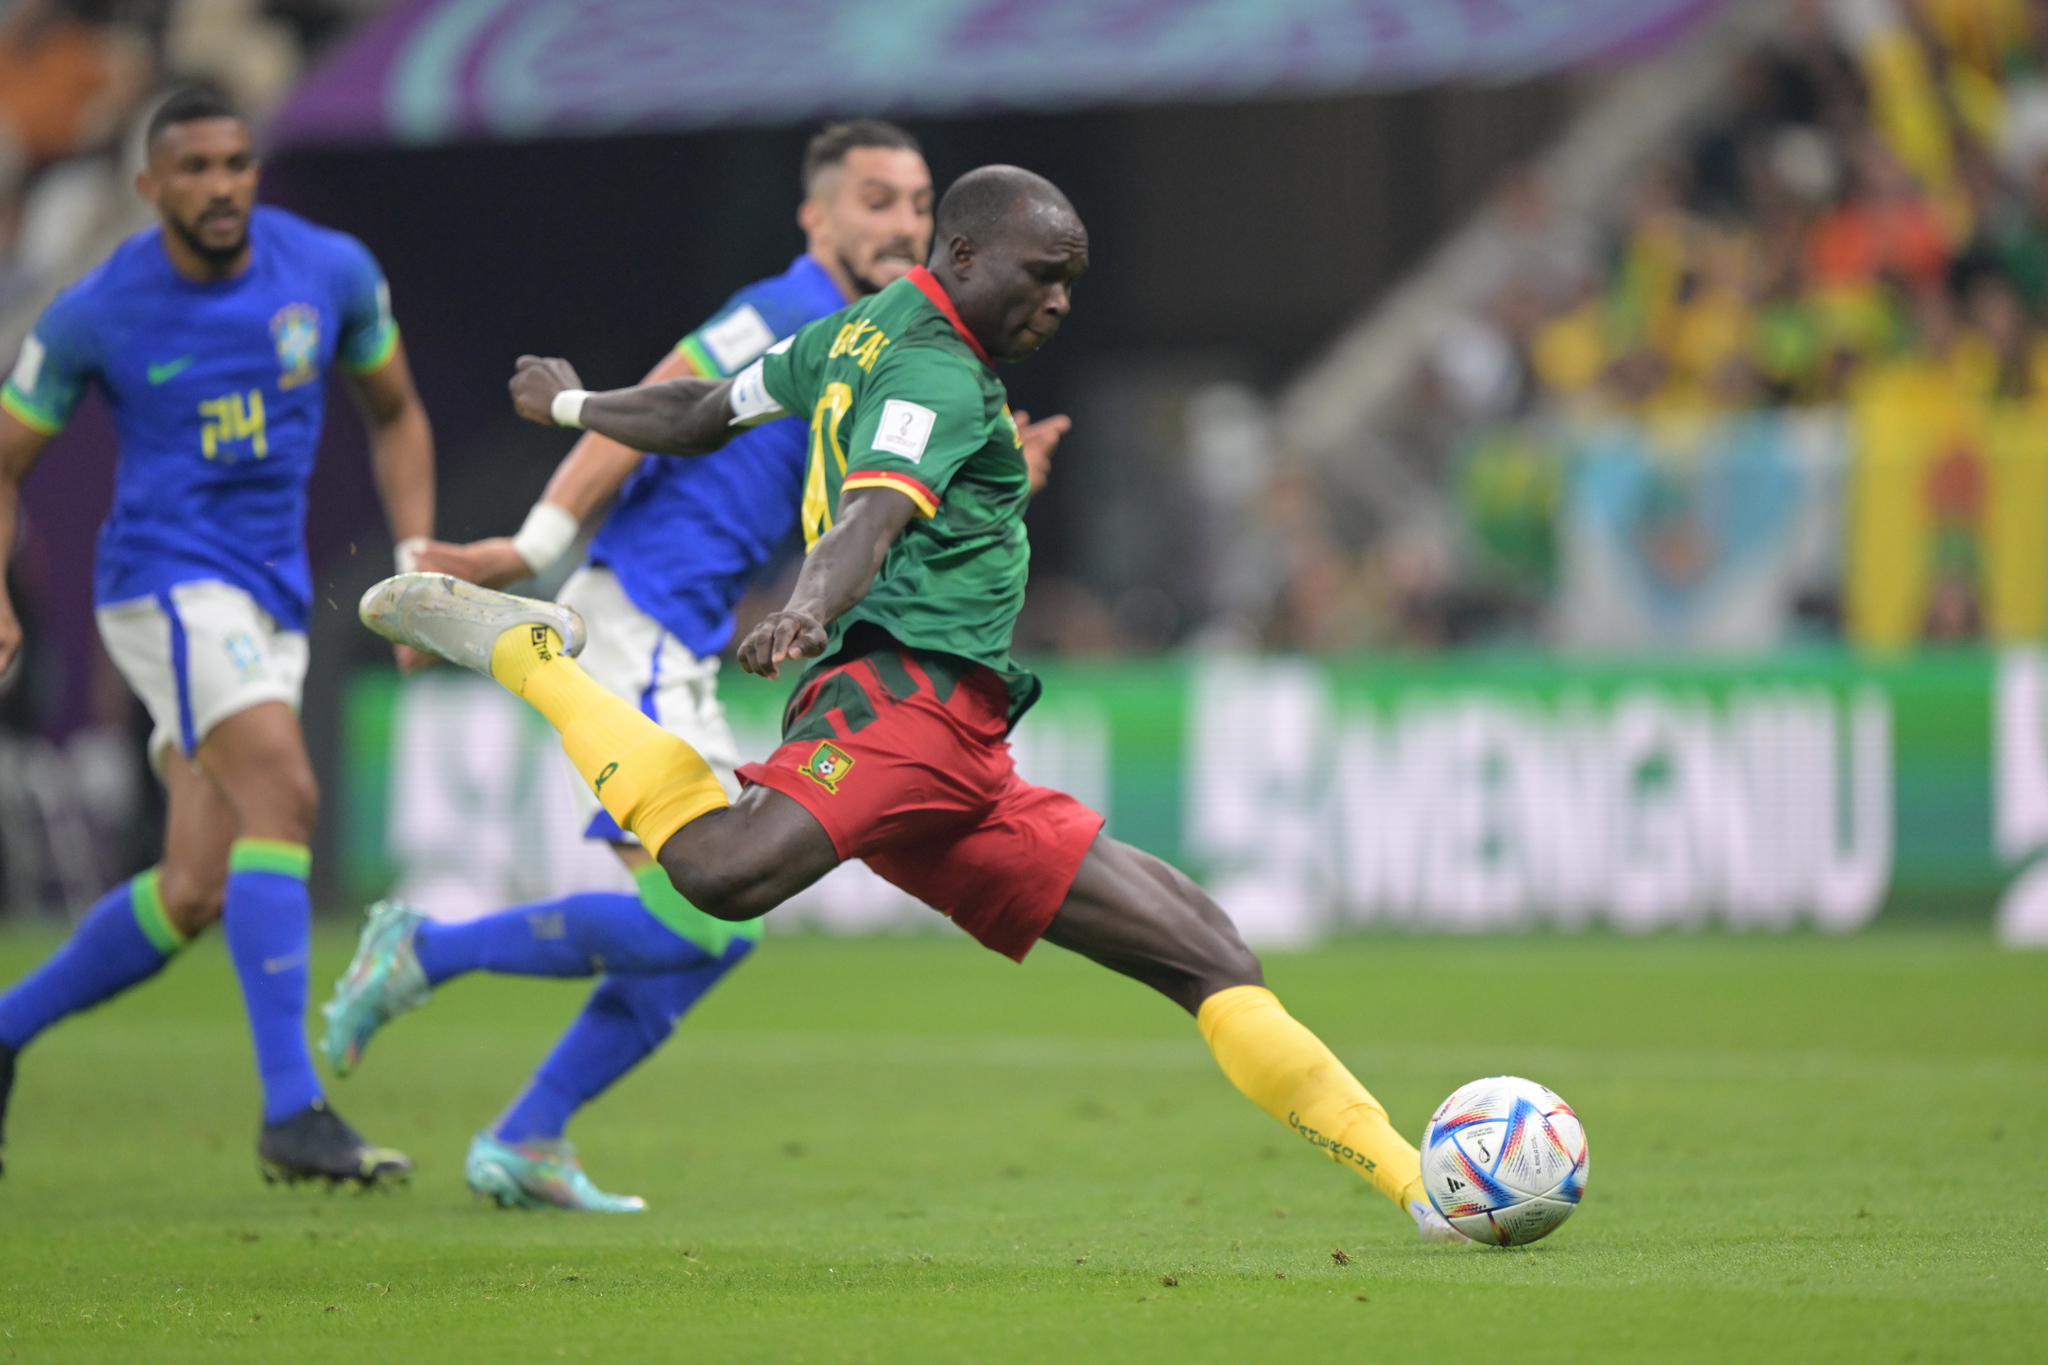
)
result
[(274, 965), (170, 369)]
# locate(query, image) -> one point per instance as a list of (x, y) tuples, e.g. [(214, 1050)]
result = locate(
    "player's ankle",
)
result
[(521, 652)]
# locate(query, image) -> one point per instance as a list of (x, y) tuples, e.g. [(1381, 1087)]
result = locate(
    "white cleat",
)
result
[(1432, 1226), (459, 621)]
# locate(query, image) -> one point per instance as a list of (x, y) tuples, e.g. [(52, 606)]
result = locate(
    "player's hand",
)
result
[(781, 635), (535, 383), (491, 563), (1040, 440), (411, 660), (10, 635)]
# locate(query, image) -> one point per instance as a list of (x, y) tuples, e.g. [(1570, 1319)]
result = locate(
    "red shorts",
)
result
[(904, 763)]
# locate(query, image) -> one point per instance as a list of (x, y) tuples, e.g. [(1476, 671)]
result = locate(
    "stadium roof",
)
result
[(431, 71)]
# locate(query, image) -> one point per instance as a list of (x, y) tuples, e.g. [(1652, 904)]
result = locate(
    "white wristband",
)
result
[(405, 555), (567, 409), (547, 534)]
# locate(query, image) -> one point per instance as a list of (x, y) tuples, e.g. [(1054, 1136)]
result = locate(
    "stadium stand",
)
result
[(1743, 360)]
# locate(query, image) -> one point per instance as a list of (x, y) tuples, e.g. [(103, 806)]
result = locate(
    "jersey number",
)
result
[(230, 419), (825, 419)]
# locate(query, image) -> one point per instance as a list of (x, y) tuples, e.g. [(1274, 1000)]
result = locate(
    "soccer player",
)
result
[(665, 571), (894, 746), (212, 334)]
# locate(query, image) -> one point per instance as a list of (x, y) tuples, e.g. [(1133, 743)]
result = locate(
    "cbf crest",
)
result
[(296, 330)]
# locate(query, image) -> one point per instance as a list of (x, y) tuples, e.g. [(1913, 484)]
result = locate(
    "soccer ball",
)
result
[(1504, 1160)]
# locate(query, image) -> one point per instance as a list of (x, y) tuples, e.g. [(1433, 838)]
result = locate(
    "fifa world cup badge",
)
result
[(296, 330), (828, 766)]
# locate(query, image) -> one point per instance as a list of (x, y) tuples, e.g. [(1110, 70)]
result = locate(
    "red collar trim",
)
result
[(928, 285)]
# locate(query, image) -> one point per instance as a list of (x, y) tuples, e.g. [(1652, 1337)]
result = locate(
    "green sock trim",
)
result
[(150, 918), (666, 904), (271, 855)]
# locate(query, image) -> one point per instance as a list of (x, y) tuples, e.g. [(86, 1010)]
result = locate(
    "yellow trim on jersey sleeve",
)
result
[(927, 504), (379, 358), (17, 406)]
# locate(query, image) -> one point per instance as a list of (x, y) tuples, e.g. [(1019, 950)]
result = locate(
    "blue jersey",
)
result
[(688, 532), (217, 390)]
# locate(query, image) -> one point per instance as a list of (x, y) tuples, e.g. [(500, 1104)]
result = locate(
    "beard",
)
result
[(213, 255), (895, 251)]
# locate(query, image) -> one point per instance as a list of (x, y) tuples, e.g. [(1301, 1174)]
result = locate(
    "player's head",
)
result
[(867, 208), (199, 171), (1009, 248)]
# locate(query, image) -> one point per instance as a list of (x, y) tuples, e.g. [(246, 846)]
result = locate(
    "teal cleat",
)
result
[(538, 1175), (383, 981)]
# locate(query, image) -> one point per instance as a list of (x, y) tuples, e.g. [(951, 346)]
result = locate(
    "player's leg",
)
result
[(133, 931), (257, 758), (734, 860), (1136, 915), (403, 955), (1036, 865), (129, 935), (524, 1160), (238, 678)]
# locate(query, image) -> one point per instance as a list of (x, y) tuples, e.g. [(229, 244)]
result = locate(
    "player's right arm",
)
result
[(686, 416), (56, 361), (20, 445)]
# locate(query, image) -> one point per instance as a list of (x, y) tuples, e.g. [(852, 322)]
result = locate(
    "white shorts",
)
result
[(198, 654), (631, 655)]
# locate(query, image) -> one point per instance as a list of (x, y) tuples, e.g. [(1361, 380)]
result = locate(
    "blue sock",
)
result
[(124, 940), (580, 935), (626, 1019), (269, 923)]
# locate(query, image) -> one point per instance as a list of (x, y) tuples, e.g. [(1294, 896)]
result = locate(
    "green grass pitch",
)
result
[(910, 1150)]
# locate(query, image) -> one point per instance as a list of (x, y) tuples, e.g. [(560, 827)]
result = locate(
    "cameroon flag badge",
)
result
[(828, 766)]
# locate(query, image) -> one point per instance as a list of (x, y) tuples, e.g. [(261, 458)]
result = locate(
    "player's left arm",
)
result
[(401, 440), (401, 462), (401, 447), (837, 573)]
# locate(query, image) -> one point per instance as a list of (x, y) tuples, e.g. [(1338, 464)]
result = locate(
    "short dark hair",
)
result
[(188, 105), (986, 199), (835, 140)]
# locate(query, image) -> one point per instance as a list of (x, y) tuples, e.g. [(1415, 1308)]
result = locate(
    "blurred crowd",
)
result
[(1878, 195), (73, 75), (1868, 207)]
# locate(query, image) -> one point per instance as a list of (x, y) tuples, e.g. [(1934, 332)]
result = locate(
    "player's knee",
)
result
[(655, 1019), (1232, 963), (191, 900), (723, 888), (732, 894), (285, 806), (1221, 957), (299, 802)]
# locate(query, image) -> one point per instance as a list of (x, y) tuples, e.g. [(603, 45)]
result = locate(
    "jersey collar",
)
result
[(928, 285)]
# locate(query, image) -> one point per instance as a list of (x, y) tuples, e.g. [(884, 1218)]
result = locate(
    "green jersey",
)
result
[(901, 396)]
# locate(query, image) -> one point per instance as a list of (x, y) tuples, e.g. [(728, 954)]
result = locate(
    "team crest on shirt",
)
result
[(828, 766), (296, 330)]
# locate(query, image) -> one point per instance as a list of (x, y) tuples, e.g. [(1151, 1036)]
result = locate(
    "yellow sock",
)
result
[(1286, 1071), (652, 783)]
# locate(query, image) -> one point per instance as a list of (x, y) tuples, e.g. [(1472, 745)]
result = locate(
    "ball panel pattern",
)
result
[(1504, 1160)]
